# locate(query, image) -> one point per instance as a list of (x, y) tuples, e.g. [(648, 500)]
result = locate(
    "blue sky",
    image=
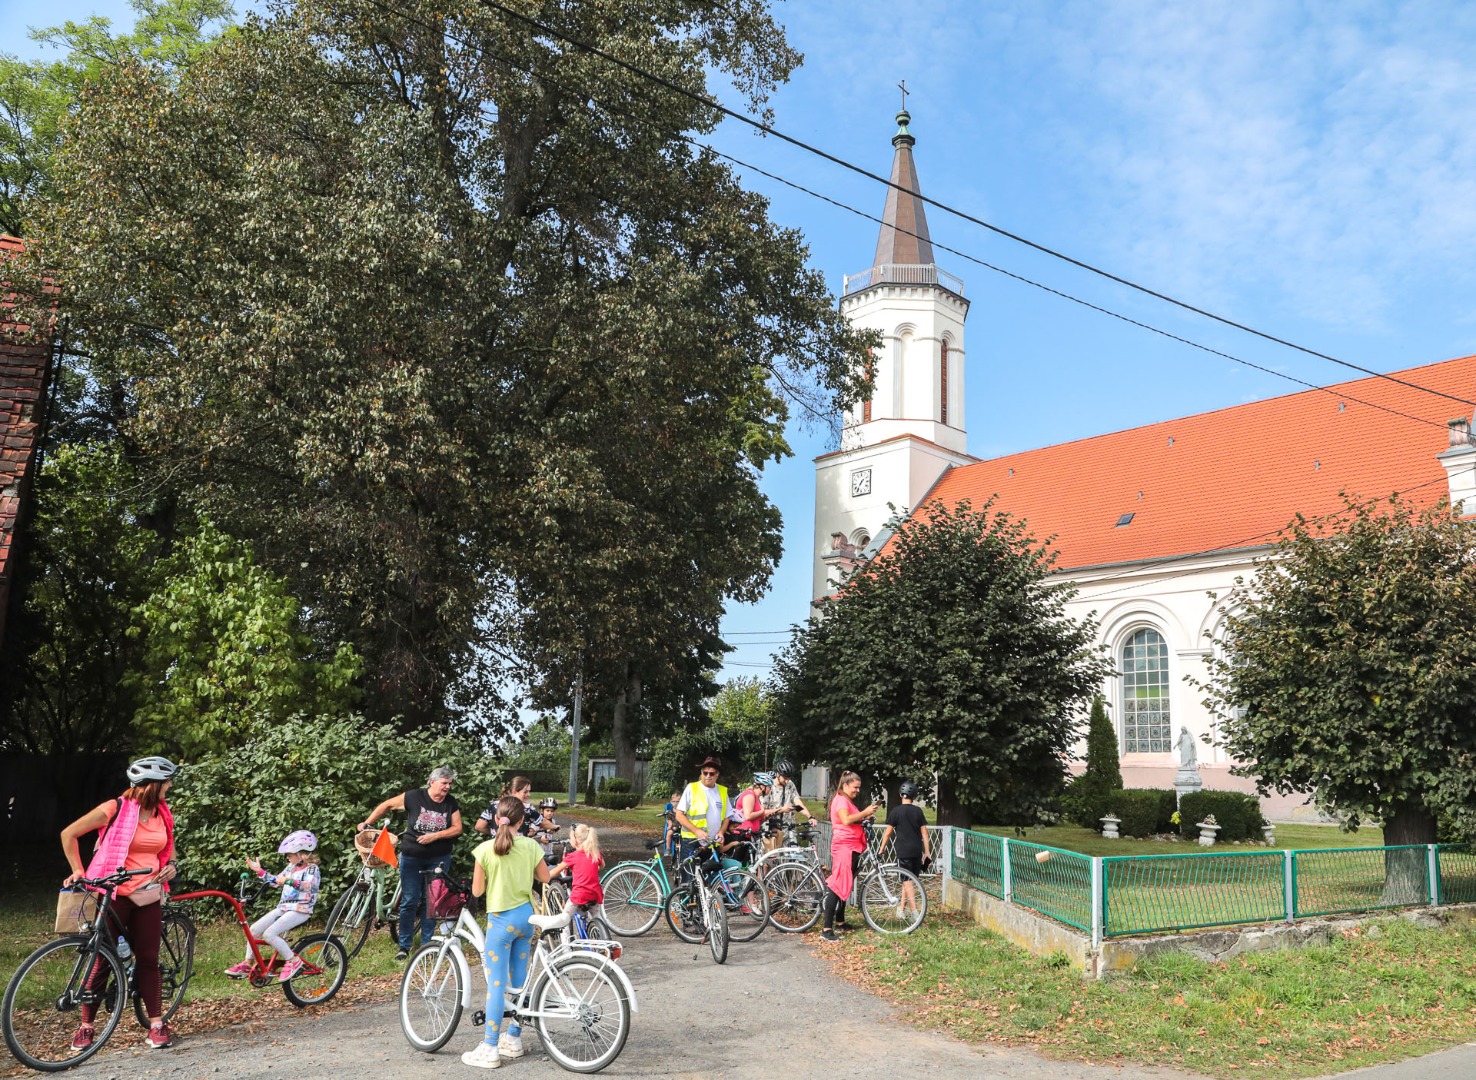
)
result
[(1308, 169)]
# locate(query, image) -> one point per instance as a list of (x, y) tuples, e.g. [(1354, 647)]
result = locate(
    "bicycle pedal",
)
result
[(479, 1019)]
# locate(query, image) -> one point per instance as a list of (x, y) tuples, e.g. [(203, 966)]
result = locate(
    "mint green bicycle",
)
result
[(372, 899)]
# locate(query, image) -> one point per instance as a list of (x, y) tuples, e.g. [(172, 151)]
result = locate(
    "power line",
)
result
[(944, 247), (768, 129)]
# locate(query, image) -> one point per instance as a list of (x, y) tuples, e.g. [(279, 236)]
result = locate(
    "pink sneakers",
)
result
[(159, 1037), (84, 1037), (290, 968), (239, 971)]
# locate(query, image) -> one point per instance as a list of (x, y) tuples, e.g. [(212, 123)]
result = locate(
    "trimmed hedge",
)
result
[(1237, 814), (1144, 811), (617, 800), (617, 783)]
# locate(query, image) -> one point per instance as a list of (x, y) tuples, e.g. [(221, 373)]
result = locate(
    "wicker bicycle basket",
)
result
[(364, 844)]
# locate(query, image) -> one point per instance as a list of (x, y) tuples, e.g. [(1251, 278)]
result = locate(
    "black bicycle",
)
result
[(42, 1008)]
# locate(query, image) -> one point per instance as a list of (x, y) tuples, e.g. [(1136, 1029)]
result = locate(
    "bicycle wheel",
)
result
[(313, 988), (683, 915), (893, 900), (632, 899), (430, 997), (176, 965), (599, 930), (555, 896), (717, 929), (350, 920), (746, 901), (582, 1014), (795, 894), (42, 1008)]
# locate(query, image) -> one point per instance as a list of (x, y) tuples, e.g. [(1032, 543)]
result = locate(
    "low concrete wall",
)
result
[(1022, 926), (1045, 937)]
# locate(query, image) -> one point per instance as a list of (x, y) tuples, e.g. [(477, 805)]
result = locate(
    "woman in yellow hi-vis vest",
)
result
[(703, 809)]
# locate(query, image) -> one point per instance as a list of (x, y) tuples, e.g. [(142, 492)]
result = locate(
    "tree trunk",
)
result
[(950, 811), (621, 732), (1406, 873)]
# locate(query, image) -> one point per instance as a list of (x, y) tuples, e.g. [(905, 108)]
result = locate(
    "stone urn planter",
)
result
[(1109, 827), (1269, 832), (1209, 829)]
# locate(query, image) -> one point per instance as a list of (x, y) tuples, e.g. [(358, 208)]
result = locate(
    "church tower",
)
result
[(895, 445)]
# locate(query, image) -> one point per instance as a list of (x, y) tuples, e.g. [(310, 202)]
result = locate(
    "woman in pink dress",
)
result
[(847, 842)]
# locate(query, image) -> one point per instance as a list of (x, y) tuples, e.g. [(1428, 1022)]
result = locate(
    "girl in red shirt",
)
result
[(585, 862)]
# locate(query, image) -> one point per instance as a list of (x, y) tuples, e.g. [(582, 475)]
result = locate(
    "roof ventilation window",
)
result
[(1126, 519), (1012, 472), (1171, 440)]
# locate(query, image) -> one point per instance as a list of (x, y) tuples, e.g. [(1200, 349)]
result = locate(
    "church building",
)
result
[(1148, 521)]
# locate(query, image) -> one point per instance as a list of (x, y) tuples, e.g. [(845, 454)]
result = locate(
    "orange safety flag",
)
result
[(384, 848)]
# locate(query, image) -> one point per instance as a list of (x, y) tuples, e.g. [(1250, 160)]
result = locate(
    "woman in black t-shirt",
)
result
[(433, 817)]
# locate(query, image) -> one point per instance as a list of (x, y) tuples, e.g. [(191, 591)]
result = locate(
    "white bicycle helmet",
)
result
[(148, 769), (301, 840)]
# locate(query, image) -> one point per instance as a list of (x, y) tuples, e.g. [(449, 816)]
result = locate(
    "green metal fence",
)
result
[(1142, 893), (978, 860), (1114, 895), (1060, 885), (1338, 880)]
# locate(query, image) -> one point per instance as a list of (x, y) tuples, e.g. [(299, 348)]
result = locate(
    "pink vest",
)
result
[(116, 837)]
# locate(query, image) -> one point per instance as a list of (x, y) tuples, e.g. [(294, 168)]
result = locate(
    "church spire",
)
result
[(904, 236)]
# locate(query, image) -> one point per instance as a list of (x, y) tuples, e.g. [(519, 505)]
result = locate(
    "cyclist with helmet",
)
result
[(300, 881), (135, 831), (749, 816), (782, 800), (907, 821)]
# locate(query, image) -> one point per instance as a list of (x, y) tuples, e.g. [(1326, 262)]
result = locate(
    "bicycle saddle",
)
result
[(652, 845), (551, 922)]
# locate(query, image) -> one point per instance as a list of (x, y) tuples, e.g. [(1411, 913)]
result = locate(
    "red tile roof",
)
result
[(1230, 478), (23, 374)]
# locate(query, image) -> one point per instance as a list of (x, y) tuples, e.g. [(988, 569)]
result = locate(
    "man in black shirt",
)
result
[(434, 819), (913, 850)]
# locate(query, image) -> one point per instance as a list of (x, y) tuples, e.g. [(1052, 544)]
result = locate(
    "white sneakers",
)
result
[(483, 1057), (510, 1046)]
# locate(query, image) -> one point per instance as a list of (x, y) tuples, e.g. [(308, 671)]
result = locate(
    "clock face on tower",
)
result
[(861, 482)]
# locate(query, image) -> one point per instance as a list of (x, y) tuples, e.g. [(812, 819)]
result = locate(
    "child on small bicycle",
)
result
[(300, 880), (585, 862)]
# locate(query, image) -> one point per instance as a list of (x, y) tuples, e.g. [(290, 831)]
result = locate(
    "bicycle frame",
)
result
[(470, 931), (262, 969)]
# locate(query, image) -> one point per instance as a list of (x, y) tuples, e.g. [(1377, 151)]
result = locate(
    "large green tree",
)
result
[(449, 319), (36, 96), (950, 653), (1348, 671)]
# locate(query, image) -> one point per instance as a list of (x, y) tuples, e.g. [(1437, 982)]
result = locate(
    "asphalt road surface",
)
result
[(773, 1010)]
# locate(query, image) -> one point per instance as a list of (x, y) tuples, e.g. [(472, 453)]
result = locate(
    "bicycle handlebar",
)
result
[(109, 881)]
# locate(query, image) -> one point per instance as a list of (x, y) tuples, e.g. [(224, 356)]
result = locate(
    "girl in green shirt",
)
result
[(507, 866)]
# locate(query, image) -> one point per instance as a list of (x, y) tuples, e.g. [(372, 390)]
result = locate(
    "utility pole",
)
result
[(574, 749)]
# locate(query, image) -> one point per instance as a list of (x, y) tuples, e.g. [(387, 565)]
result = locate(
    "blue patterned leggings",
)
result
[(509, 941)]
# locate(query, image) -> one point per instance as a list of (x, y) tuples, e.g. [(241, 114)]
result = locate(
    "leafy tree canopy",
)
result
[(451, 322), (949, 654), (1349, 668), (225, 654), (36, 96), (735, 730)]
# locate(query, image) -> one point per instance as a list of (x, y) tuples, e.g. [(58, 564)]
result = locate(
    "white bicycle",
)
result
[(576, 997)]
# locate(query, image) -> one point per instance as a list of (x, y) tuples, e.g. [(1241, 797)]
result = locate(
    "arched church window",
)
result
[(871, 376), (943, 395), (1146, 725)]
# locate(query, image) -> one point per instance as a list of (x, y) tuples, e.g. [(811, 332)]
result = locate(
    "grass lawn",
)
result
[(1091, 842), (1385, 992)]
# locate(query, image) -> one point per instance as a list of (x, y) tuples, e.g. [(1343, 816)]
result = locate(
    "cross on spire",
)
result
[(903, 87)]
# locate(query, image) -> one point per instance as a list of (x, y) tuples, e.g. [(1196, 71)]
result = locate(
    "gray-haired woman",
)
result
[(433, 817)]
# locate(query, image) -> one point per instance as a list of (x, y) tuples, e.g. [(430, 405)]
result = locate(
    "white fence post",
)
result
[(946, 861), (1097, 898), (1006, 879), (1288, 885), (1432, 863)]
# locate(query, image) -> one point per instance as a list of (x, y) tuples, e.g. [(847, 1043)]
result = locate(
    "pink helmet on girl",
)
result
[(301, 840)]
